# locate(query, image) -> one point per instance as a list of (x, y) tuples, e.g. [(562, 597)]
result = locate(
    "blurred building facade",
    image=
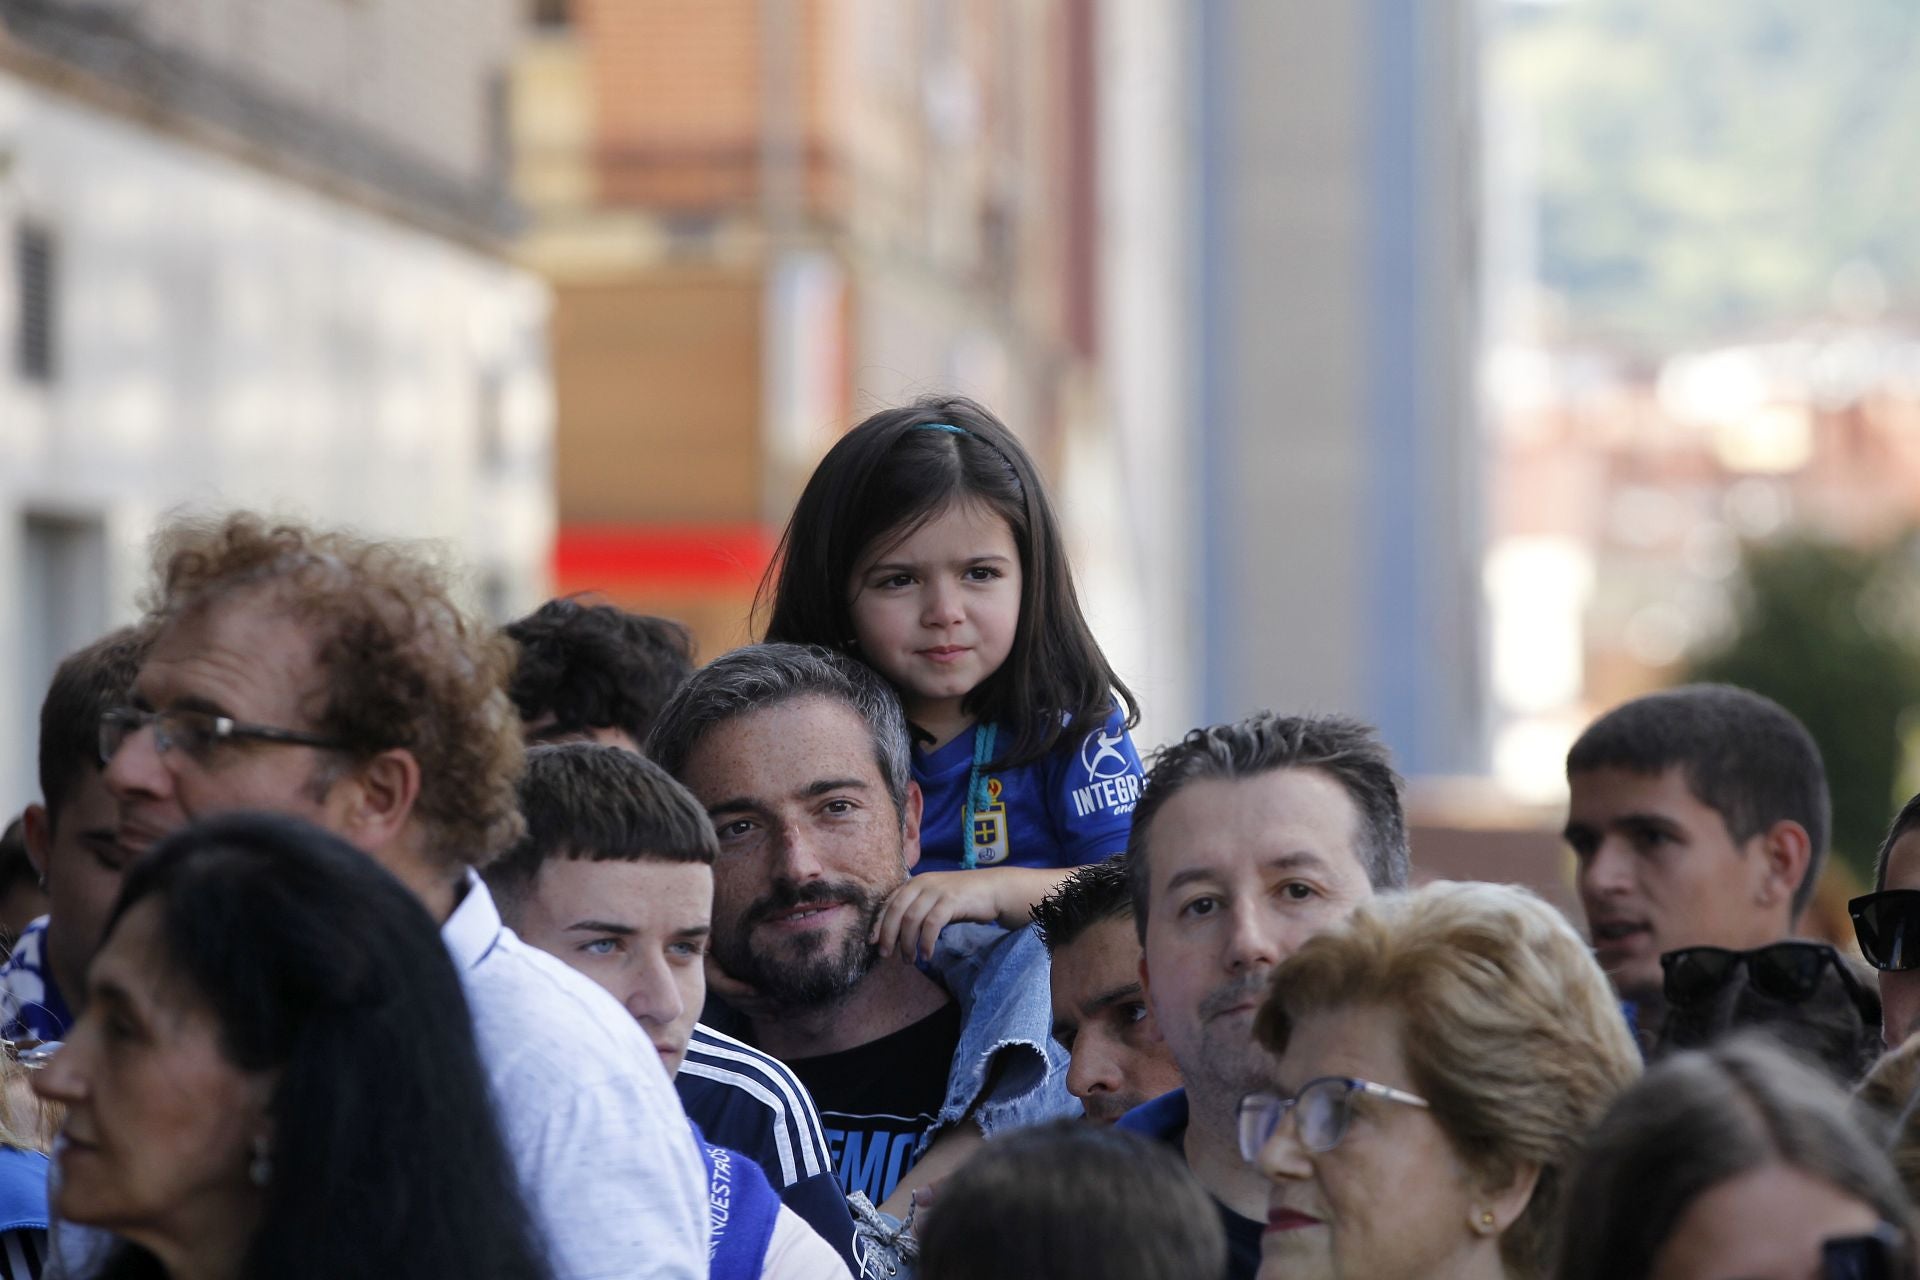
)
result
[(254, 258), (1213, 262), (1336, 414), (763, 220), (1625, 488)]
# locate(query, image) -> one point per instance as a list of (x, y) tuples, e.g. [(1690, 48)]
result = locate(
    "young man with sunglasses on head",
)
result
[(1887, 924), (1699, 817)]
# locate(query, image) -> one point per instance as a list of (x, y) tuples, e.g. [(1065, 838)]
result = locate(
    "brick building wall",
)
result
[(681, 90)]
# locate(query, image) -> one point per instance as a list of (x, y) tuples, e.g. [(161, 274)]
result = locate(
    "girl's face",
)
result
[(934, 612)]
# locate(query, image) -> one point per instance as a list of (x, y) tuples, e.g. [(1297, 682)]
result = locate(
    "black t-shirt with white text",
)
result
[(876, 1100)]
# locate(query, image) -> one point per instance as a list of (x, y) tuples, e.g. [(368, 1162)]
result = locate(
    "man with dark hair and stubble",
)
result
[(1249, 839), (594, 672), (614, 876), (1698, 817), (70, 840), (1117, 1058), (801, 760)]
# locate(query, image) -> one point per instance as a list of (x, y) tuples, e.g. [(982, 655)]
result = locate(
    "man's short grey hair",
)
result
[(1344, 749), (766, 675)]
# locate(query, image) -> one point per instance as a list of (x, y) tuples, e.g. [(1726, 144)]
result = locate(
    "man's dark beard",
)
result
[(808, 975)]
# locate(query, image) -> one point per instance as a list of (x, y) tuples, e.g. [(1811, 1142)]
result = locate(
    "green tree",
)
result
[(1828, 631), (1708, 167)]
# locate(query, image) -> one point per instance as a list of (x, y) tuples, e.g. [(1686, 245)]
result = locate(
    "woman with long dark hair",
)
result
[(275, 1075), (1737, 1160)]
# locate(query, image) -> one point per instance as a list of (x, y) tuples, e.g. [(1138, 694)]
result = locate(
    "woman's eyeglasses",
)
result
[(1789, 972), (1322, 1108), (1888, 927), (32, 1054)]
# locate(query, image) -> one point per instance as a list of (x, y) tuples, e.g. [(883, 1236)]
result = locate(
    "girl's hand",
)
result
[(926, 904)]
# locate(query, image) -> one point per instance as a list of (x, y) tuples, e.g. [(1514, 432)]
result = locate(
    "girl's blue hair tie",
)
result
[(941, 426)]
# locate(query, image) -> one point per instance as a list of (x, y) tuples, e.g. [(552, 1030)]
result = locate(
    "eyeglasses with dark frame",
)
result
[(195, 732), (1789, 972), (1887, 925), (1323, 1108)]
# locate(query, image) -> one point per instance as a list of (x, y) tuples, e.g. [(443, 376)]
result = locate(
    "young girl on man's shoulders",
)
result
[(925, 545)]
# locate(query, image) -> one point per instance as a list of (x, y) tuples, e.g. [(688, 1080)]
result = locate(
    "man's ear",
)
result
[(372, 805), (37, 828), (910, 825), (1784, 851)]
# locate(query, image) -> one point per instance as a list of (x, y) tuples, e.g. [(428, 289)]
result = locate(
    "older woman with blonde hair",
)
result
[(1441, 1057)]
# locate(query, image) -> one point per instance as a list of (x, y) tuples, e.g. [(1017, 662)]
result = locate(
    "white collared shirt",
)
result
[(604, 1154)]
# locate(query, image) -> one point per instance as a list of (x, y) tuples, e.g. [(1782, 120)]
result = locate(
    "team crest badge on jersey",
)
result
[(990, 843)]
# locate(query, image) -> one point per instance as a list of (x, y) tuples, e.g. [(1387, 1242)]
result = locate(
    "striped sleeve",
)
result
[(22, 1254), (792, 1121)]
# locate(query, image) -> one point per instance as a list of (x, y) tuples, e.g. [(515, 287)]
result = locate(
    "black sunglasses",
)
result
[(1888, 927), (1878, 1255), (1789, 972)]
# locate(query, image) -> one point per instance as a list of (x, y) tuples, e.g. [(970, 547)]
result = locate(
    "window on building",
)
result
[(62, 600), (34, 268)]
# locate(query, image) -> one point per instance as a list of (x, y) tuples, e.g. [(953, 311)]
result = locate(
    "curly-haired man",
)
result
[(334, 678)]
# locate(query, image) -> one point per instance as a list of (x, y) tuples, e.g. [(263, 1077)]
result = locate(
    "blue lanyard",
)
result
[(978, 797)]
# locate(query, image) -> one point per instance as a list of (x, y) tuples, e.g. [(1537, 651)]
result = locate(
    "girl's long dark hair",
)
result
[(386, 1155), (886, 478)]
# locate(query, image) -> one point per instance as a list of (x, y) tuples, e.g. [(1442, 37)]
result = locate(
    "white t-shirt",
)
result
[(606, 1161)]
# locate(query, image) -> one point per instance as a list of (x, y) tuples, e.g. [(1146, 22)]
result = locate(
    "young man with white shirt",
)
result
[(333, 678), (615, 878)]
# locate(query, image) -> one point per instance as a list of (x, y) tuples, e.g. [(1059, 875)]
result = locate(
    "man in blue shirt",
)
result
[(614, 876), (1118, 1058), (1250, 838)]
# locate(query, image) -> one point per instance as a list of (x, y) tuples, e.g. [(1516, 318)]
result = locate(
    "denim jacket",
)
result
[(1008, 1071)]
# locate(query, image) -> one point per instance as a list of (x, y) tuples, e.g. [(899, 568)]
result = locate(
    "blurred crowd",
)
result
[(354, 936)]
